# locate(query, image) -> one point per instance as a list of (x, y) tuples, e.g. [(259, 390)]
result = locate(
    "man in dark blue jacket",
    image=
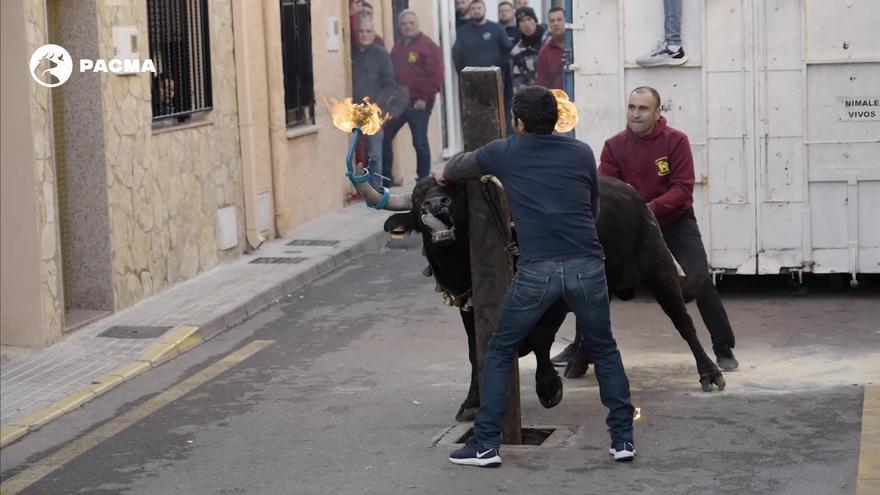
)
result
[(552, 187), (483, 43)]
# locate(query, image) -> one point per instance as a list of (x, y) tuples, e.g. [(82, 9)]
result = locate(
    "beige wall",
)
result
[(165, 187), (310, 168), (25, 289)]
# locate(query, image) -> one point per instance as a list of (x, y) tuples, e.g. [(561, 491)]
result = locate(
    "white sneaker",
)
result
[(624, 452), (662, 56)]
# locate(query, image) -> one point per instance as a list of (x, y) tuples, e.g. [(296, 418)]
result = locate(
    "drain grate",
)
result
[(133, 332), (531, 436), (312, 242), (278, 260)]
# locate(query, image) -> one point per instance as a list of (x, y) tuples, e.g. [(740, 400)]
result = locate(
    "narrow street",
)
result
[(348, 385)]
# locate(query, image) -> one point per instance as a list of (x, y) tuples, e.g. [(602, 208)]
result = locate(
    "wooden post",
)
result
[(482, 110)]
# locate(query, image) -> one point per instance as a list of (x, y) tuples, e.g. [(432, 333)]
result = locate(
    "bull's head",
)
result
[(438, 212)]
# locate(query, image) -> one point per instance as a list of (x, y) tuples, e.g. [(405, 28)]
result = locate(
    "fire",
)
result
[(347, 115), (568, 114)]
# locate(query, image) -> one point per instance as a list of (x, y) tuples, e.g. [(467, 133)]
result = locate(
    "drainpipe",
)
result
[(246, 120), (277, 117)]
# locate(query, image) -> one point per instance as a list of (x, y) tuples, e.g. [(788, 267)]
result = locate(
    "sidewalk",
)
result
[(38, 386)]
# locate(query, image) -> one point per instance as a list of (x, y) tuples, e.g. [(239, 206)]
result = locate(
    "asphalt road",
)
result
[(353, 381)]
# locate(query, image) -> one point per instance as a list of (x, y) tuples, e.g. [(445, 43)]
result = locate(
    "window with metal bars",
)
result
[(296, 46), (181, 51)]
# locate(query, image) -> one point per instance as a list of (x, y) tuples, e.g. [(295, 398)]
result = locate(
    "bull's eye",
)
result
[(426, 205), (445, 201)]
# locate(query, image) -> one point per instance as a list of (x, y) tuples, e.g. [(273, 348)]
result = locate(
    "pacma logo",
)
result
[(51, 65)]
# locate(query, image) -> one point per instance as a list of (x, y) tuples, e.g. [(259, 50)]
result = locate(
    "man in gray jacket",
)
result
[(372, 76)]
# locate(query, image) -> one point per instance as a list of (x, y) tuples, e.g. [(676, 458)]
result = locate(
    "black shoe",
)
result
[(473, 454), (623, 451), (725, 359), (564, 357)]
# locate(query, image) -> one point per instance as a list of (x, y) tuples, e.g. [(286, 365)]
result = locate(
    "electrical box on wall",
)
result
[(332, 30), (125, 45)]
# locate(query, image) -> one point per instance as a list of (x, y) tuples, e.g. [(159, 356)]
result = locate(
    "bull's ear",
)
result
[(400, 222)]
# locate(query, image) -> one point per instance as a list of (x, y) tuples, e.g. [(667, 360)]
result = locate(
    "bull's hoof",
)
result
[(712, 379), (576, 368), (550, 391), (466, 414)]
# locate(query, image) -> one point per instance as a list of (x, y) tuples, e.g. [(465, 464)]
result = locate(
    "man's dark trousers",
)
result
[(418, 127), (684, 240)]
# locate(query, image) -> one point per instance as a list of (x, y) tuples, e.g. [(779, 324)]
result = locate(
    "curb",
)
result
[(177, 341), (184, 338)]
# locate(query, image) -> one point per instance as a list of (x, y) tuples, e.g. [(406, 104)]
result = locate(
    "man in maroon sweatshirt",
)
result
[(656, 160), (418, 63), (550, 70)]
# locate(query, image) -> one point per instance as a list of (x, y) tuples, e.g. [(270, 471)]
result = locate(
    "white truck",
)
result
[(781, 102)]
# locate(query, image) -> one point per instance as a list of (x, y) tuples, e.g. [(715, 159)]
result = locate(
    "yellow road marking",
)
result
[(73, 450), (869, 450)]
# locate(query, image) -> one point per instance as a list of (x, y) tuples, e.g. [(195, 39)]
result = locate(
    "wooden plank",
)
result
[(482, 102)]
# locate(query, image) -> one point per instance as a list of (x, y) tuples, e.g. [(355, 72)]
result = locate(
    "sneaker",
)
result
[(473, 454), (725, 359), (662, 56), (624, 452), (564, 357)]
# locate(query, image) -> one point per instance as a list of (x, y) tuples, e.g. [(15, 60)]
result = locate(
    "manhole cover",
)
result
[(278, 260), (133, 332), (312, 242)]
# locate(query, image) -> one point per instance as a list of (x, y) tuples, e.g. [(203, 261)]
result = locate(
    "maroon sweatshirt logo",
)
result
[(662, 166)]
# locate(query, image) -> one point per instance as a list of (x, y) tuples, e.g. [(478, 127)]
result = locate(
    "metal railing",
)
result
[(296, 43), (181, 52)]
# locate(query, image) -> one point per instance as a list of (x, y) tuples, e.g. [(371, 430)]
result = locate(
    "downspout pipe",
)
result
[(277, 118), (246, 132)]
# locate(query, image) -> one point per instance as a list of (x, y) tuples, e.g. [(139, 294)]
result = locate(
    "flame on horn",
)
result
[(568, 114), (347, 115)]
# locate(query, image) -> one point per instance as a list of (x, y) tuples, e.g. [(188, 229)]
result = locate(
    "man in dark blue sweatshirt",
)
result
[(552, 187), (483, 43)]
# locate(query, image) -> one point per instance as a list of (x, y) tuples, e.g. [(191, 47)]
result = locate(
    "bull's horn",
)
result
[(396, 202)]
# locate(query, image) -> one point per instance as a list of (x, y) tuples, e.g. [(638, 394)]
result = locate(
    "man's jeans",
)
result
[(672, 24), (536, 286), (374, 158), (418, 127)]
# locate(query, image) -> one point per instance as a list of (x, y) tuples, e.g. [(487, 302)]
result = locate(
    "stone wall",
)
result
[(41, 130), (165, 187)]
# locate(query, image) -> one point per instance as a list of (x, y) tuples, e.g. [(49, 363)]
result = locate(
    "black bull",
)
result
[(635, 253)]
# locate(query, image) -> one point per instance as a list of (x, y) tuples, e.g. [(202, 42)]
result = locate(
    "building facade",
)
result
[(122, 185)]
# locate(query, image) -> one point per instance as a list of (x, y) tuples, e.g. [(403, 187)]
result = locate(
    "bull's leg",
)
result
[(580, 360), (468, 409), (548, 385), (662, 279)]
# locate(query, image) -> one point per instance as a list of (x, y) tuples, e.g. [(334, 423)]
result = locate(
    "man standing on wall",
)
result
[(418, 63)]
